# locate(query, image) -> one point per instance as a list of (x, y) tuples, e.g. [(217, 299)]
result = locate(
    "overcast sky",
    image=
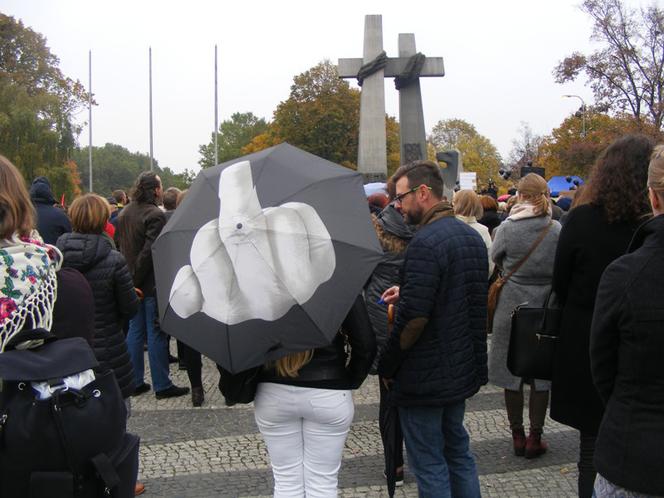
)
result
[(499, 58)]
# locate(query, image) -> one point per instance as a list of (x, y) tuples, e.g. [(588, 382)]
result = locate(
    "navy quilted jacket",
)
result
[(444, 283)]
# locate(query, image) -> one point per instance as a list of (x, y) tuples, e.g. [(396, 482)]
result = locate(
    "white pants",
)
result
[(305, 431)]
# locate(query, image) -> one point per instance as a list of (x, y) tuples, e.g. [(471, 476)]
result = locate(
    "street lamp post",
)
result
[(583, 111)]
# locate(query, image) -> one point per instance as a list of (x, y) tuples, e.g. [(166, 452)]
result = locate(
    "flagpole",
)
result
[(216, 109), (151, 155), (90, 118)]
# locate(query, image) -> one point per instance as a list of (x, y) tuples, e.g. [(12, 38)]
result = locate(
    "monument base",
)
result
[(374, 177)]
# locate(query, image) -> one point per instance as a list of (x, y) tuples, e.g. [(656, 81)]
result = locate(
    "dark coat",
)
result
[(329, 367), (394, 235), (626, 351), (115, 300), (437, 352), (74, 310), (491, 220), (588, 243), (51, 221), (139, 225)]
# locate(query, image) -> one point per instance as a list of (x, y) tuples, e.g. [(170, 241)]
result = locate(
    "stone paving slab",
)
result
[(216, 451)]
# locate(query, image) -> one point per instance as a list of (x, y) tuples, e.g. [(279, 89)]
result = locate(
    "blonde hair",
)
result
[(467, 203), (89, 213), (534, 190), (289, 366), (17, 214), (656, 170)]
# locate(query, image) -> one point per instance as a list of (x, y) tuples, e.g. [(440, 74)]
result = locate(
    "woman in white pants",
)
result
[(304, 408)]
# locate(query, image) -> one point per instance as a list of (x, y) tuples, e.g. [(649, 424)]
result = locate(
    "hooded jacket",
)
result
[(51, 221), (114, 296), (393, 234)]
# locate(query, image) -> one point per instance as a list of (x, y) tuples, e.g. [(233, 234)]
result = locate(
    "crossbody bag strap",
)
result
[(530, 251)]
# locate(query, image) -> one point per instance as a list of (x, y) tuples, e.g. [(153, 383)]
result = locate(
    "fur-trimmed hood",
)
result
[(392, 231)]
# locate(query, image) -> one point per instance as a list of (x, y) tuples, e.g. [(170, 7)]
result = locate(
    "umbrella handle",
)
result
[(390, 314)]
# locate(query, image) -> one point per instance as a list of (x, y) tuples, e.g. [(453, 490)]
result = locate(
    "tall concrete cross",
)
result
[(372, 155)]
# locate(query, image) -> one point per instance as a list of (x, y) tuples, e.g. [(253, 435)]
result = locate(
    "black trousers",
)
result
[(192, 360)]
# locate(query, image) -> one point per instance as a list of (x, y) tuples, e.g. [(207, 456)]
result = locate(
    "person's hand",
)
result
[(387, 382), (391, 295), (139, 293), (253, 262)]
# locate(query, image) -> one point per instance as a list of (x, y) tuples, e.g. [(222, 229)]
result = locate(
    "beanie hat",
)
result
[(28, 286)]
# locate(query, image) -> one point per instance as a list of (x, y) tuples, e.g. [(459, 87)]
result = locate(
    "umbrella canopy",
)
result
[(264, 257), (558, 184)]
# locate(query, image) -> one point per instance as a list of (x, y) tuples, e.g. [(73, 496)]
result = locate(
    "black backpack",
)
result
[(71, 445)]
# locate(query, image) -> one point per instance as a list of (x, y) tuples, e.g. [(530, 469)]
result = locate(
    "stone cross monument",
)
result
[(406, 69)]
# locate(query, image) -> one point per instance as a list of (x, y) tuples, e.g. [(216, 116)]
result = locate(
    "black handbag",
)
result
[(240, 387), (533, 340)]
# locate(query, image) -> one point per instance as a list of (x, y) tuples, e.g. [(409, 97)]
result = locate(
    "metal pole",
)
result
[(583, 112), (216, 110), (151, 154), (90, 118)]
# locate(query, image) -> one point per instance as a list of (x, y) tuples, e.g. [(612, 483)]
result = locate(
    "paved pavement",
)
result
[(217, 451)]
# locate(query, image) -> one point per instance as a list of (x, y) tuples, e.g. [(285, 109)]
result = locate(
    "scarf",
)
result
[(524, 210), (28, 285)]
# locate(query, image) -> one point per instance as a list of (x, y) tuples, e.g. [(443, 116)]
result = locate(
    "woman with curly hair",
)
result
[(595, 233)]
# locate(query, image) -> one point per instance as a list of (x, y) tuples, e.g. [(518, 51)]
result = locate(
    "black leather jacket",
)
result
[(329, 367)]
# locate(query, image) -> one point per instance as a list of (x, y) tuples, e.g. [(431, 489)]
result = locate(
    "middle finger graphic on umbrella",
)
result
[(253, 262)]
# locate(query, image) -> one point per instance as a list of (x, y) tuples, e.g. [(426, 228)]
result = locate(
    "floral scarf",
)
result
[(28, 285)]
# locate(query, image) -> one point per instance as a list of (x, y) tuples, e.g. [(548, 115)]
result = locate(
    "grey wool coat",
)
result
[(530, 284)]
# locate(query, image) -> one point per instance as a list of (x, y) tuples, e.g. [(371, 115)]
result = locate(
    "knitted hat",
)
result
[(28, 286)]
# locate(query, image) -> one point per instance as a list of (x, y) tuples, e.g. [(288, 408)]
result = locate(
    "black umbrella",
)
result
[(264, 257), (391, 427)]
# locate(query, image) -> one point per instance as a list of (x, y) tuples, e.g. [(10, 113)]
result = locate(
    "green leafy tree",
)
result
[(234, 134), (37, 104), (478, 154), (626, 73), (115, 167)]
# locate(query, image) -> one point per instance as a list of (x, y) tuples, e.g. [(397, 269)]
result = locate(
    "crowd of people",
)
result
[(598, 253)]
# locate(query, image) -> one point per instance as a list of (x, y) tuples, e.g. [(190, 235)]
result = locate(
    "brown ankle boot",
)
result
[(534, 445), (519, 442)]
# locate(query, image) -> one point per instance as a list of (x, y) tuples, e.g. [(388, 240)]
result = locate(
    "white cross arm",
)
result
[(433, 66)]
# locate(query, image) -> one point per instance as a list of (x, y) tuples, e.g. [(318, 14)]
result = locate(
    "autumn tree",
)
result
[(234, 134), (567, 151), (478, 154), (525, 149), (626, 74), (37, 105), (322, 116)]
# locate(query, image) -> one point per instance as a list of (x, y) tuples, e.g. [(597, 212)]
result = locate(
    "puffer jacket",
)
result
[(394, 235), (139, 225), (114, 296), (437, 352), (51, 221)]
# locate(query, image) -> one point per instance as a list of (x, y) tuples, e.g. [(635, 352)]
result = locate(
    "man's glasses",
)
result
[(399, 198)]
